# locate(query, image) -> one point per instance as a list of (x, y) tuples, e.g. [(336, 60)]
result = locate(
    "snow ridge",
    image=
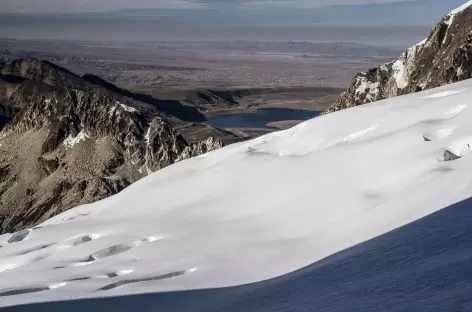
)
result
[(450, 17), (461, 8)]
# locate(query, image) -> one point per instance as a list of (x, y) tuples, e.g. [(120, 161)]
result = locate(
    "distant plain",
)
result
[(217, 77)]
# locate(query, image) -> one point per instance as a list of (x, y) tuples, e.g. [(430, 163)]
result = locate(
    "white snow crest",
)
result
[(461, 8), (450, 17), (422, 42), (71, 141)]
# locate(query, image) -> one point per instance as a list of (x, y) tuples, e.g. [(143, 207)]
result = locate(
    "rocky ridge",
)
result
[(444, 57), (67, 141)]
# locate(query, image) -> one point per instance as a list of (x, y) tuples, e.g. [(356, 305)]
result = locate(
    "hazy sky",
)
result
[(397, 23), (49, 6)]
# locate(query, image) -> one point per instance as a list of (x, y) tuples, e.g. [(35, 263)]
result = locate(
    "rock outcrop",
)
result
[(66, 141), (442, 58)]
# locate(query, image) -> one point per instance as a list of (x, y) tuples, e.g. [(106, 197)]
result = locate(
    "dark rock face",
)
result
[(444, 57), (66, 142), (6, 113), (8, 85), (168, 107), (51, 74)]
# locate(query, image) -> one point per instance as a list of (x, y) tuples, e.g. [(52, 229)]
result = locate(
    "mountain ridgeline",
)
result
[(442, 58), (67, 140)]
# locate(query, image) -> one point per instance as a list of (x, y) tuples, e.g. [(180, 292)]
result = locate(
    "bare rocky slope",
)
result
[(442, 58), (67, 140)]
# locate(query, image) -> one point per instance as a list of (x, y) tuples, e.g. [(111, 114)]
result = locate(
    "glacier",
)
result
[(221, 231)]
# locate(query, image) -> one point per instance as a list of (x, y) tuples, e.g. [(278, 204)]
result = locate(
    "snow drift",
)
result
[(255, 210)]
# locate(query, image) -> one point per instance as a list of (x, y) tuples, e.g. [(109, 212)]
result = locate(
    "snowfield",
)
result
[(256, 210)]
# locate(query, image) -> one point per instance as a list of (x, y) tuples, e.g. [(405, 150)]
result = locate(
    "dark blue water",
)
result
[(423, 266), (260, 118)]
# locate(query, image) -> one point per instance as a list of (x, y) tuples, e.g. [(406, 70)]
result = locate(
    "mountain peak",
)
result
[(461, 8), (445, 56), (66, 141)]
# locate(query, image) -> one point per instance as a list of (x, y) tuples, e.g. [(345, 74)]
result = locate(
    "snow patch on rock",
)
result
[(127, 108), (370, 89), (404, 65), (72, 141), (399, 74)]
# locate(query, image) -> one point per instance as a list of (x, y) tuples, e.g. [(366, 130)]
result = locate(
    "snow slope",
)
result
[(255, 210)]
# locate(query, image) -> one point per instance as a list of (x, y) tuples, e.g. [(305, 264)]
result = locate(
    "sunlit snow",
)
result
[(254, 210)]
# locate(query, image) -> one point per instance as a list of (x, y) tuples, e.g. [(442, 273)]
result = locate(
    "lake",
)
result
[(260, 118)]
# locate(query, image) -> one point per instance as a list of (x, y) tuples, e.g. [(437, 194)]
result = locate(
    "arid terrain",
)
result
[(219, 78)]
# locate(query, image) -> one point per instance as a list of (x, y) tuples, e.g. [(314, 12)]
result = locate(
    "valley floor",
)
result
[(246, 75)]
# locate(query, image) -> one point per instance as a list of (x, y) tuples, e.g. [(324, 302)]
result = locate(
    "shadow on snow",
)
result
[(423, 266)]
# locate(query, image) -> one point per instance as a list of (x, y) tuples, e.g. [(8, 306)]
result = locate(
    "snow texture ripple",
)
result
[(255, 210)]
